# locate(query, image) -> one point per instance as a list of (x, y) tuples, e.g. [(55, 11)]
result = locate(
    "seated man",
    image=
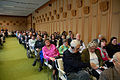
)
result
[(70, 39), (114, 72), (72, 63), (98, 39), (82, 45), (38, 52)]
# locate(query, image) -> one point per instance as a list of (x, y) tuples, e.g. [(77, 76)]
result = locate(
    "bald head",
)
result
[(116, 61), (116, 57), (78, 36)]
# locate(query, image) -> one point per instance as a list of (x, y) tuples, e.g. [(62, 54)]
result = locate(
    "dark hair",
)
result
[(65, 40), (39, 35), (70, 31), (112, 40), (102, 40), (51, 36), (46, 40)]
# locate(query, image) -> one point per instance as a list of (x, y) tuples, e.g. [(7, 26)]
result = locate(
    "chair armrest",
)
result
[(50, 66), (63, 72)]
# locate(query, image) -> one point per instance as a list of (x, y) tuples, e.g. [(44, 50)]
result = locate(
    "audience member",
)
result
[(112, 73), (63, 47), (73, 64), (112, 47), (82, 45), (92, 56), (50, 52), (98, 40)]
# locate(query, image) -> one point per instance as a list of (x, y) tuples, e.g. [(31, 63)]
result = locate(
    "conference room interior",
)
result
[(59, 39)]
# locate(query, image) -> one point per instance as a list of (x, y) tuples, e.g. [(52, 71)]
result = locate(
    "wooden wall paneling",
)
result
[(62, 19), (56, 16), (71, 22), (54, 8), (94, 20), (98, 21), (57, 26), (82, 30), (90, 24), (86, 25), (60, 28), (109, 19), (50, 27), (74, 16), (115, 19), (79, 26), (115, 25), (77, 18), (67, 19), (74, 25), (104, 24), (59, 5)]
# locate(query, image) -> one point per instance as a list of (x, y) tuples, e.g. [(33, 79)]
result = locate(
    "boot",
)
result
[(34, 63)]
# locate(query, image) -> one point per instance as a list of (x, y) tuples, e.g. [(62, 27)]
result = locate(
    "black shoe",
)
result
[(34, 63), (40, 69)]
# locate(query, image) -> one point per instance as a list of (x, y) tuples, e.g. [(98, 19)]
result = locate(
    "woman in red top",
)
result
[(102, 50)]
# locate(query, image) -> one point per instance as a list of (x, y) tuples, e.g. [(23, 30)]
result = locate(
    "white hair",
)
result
[(74, 43), (91, 44), (116, 56), (100, 35)]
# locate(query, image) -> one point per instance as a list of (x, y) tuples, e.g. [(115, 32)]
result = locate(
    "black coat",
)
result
[(39, 44), (53, 42), (112, 49), (72, 62)]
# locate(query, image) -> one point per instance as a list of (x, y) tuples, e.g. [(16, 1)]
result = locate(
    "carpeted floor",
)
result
[(14, 64)]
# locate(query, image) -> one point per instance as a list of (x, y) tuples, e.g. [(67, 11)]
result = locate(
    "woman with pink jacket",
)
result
[(49, 53)]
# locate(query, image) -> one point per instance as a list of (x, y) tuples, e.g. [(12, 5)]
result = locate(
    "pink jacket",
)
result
[(52, 52)]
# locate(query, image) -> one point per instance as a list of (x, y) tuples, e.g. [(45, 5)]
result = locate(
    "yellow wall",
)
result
[(13, 23), (88, 25)]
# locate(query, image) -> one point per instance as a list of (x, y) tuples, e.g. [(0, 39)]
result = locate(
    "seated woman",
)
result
[(63, 37), (102, 50), (63, 47), (112, 47), (53, 40), (73, 66), (92, 56), (49, 53)]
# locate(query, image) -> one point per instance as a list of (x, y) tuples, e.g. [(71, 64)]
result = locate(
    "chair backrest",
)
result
[(60, 64)]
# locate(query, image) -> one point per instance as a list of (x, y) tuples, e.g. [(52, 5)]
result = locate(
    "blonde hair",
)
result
[(91, 44)]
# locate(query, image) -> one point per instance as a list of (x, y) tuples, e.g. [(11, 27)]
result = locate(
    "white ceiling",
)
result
[(20, 7)]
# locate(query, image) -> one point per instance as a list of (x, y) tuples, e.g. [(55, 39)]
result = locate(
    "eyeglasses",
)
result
[(77, 48)]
